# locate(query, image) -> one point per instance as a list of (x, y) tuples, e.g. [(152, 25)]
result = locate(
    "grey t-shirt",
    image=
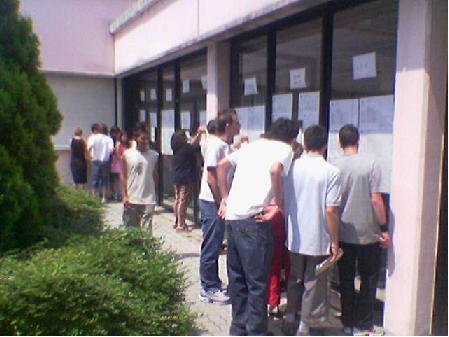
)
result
[(360, 177)]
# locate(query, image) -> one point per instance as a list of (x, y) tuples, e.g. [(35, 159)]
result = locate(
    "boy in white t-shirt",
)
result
[(259, 167), (312, 197)]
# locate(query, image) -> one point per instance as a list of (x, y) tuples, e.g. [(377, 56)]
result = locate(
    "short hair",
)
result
[(212, 126), (104, 129), (78, 132), (283, 129), (315, 138), (114, 129), (224, 117), (139, 132), (178, 139), (348, 135), (95, 127)]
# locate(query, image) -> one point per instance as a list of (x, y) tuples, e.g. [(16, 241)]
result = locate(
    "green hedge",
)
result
[(121, 283)]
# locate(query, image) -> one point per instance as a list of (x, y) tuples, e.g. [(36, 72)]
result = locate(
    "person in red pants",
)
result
[(280, 261)]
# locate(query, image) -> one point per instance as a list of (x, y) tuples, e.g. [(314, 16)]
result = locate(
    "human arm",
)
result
[(381, 217), (199, 135), (156, 178), (333, 223), (123, 182), (222, 172), (276, 184)]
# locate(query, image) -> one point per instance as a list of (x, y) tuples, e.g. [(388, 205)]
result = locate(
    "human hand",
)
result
[(222, 208), (384, 239), (334, 252), (125, 202), (268, 213), (244, 139)]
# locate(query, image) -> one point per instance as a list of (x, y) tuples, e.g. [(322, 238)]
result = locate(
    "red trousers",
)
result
[(280, 259)]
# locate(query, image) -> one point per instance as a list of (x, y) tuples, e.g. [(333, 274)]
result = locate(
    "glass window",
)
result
[(249, 85), (298, 71), (363, 72), (149, 81)]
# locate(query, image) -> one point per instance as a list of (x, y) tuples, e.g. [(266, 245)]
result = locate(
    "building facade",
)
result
[(379, 64)]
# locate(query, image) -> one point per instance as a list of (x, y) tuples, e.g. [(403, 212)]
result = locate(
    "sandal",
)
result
[(184, 228)]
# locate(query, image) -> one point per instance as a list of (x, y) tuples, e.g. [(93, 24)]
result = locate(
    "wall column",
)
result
[(420, 108), (218, 77)]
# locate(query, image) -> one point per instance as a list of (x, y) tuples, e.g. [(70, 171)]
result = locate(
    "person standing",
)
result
[(184, 174), (78, 164), (259, 167), (363, 231), (138, 181), (312, 199), (213, 227), (100, 146)]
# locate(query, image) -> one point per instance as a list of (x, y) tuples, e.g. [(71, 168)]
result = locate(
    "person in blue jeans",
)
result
[(213, 227), (259, 167)]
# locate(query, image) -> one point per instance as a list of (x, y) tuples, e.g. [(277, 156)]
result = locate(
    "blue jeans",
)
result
[(250, 249), (213, 228)]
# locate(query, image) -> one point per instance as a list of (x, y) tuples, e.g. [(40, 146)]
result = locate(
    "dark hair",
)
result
[(315, 138), (178, 139), (283, 129), (348, 135), (224, 117), (139, 132), (104, 129), (95, 127), (212, 126)]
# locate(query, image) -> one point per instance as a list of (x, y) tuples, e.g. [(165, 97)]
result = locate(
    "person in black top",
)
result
[(78, 164), (184, 173)]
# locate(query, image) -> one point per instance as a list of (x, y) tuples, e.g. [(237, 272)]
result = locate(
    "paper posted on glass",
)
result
[(153, 95), (168, 95), (185, 86), (364, 66), (298, 78), (203, 118), (153, 119), (252, 120), (167, 129), (282, 106), (153, 134), (185, 120), (343, 111), (142, 95), (142, 115), (376, 114), (204, 82), (326, 264), (309, 109), (250, 86)]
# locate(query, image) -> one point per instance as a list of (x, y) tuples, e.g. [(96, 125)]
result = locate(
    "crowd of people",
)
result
[(280, 204)]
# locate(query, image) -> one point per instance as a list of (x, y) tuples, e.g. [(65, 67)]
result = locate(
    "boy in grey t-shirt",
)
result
[(363, 230)]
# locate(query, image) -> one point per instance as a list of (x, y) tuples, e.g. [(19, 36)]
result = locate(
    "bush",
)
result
[(29, 117), (119, 284)]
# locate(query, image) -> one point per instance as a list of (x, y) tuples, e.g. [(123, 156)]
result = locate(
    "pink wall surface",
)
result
[(74, 34)]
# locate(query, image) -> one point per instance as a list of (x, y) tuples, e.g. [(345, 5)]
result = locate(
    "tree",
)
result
[(28, 118)]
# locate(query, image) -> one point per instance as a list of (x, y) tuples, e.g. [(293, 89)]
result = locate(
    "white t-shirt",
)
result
[(312, 185), (100, 146), (215, 150), (251, 188), (139, 179)]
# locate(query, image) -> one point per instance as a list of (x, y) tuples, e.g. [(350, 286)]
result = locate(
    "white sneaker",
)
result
[(303, 329), (214, 296)]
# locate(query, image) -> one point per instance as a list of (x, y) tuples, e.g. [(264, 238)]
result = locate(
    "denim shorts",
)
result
[(100, 173)]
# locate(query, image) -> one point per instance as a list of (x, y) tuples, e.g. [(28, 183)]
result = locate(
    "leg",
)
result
[(274, 290), (346, 269), (146, 218), (213, 231), (185, 198), (237, 288), (368, 259), (175, 205), (95, 183), (295, 286), (131, 216)]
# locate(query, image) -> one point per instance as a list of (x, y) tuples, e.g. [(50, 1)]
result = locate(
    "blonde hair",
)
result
[(78, 132)]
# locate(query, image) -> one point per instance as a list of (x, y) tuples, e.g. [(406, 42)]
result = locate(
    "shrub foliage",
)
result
[(119, 284), (29, 117)]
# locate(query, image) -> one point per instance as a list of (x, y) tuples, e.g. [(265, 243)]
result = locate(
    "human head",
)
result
[(78, 132), (228, 123), (348, 136), (284, 130), (315, 138), (178, 139), (114, 131), (95, 128), (212, 127), (104, 129), (297, 148), (142, 141), (123, 137)]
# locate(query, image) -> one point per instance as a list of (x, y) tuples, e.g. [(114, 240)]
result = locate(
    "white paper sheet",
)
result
[(250, 86), (153, 95), (298, 78), (252, 120), (343, 111), (168, 95), (153, 134), (185, 120), (203, 118), (380, 147), (142, 115), (376, 114), (185, 86), (153, 119), (309, 108), (334, 150), (364, 66), (167, 129), (282, 106), (142, 95), (204, 82)]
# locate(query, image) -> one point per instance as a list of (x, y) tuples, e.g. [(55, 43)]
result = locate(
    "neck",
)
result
[(350, 150), (316, 153), (224, 137)]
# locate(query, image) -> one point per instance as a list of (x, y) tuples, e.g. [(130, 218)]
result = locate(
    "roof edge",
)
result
[(131, 14)]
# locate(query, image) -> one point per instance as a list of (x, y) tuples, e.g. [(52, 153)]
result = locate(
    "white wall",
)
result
[(74, 34), (82, 101)]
